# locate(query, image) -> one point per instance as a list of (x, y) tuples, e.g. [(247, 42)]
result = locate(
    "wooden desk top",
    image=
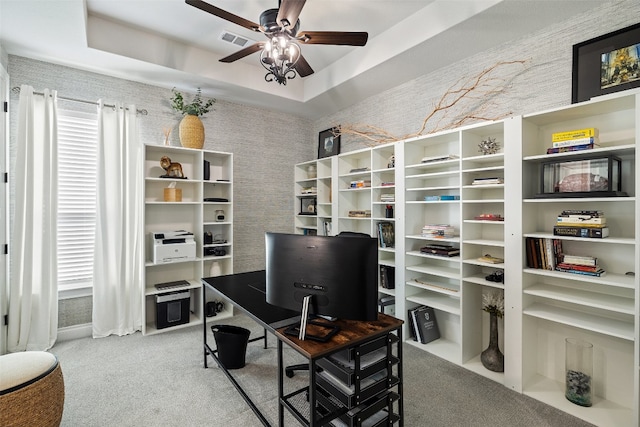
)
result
[(352, 332)]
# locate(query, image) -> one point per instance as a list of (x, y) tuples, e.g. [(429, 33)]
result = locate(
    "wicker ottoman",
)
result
[(31, 389)]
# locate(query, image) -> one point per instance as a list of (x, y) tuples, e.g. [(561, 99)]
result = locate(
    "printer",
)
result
[(173, 246)]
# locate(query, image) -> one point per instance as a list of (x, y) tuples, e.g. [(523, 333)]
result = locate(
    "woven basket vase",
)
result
[(191, 132)]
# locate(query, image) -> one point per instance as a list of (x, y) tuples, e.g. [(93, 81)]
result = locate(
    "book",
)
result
[(581, 219), (591, 232), (426, 324), (577, 141), (438, 230), (489, 217), (598, 273), (574, 134), (554, 150), (487, 181), (593, 268), (430, 159), (580, 260), (386, 234), (591, 213), (440, 250), (412, 325), (491, 259), (387, 277), (580, 224)]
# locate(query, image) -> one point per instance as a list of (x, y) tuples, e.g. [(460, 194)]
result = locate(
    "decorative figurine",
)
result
[(173, 169), (489, 146)]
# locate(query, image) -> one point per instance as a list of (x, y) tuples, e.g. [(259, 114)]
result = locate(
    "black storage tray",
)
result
[(349, 354), (372, 413), (346, 373), (347, 395)]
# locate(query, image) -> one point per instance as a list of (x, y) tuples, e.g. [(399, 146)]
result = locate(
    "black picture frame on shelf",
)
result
[(308, 206), (328, 143), (594, 73)]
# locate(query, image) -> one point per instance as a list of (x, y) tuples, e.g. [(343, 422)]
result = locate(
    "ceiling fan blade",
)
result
[(333, 37), (244, 52), (228, 16), (302, 67), (289, 11)]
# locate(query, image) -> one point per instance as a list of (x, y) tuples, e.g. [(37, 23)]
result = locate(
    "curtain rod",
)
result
[(142, 111)]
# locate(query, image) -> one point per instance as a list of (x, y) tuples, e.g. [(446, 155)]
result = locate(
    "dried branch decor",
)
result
[(475, 91)]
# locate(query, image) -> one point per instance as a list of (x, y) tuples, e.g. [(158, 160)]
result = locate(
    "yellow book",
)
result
[(574, 134)]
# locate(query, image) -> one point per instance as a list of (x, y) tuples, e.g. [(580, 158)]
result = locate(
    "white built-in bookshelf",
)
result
[(542, 307), (193, 214)]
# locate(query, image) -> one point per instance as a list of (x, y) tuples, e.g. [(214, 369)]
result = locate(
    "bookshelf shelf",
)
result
[(602, 325), (614, 303)]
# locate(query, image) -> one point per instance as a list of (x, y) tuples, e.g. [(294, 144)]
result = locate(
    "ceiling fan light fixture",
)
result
[(279, 58)]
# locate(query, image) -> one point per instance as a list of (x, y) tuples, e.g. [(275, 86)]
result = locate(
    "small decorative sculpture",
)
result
[(489, 146), (173, 169)]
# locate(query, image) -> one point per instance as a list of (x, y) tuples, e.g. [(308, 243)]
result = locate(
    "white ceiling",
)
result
[(172, 44)]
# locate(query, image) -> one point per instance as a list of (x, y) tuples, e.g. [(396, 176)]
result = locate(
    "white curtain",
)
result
[(118, 263), (33, 287)]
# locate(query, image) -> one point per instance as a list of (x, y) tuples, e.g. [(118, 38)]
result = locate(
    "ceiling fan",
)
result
[(281, 55)]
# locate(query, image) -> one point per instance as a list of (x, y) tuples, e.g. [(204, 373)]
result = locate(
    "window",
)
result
[(77, 153)]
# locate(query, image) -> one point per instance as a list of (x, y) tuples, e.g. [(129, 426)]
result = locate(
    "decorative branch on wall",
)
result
[(469, 94)]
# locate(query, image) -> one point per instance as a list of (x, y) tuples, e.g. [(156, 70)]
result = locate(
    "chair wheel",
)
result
[(289, 373)]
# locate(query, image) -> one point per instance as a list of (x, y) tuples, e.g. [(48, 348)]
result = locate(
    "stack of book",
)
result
[(424, 325), (574, 140), (581, 223), (387, 197), (443, 197), (360, 183), (309, 190), (359, 214), (440, 250), (438, 230), (488, 181), (576, 264)]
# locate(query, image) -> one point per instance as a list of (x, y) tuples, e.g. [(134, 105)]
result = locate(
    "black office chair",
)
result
[(290, 370)]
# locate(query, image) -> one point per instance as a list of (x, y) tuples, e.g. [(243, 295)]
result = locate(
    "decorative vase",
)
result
[(215, 270), (312, 172), (191, 132), (492, 358), (578, 371)]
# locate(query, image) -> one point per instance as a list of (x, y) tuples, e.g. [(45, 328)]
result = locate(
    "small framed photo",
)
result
[(328, 143), (308, 205), (606, 64)]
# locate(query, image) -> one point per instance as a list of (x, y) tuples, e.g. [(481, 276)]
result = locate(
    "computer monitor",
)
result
[(339, 273)]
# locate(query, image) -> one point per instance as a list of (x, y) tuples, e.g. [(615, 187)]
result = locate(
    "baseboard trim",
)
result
[(74, 332)]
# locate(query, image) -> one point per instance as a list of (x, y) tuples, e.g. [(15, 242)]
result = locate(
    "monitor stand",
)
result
[(301, 331)]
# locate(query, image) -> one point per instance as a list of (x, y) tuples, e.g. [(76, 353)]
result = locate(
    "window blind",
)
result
[(77, 162)]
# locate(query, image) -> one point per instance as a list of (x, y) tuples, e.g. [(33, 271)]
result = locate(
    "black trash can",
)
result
[(231, 342)]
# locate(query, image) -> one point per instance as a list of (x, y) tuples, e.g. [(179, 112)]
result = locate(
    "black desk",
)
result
[(246, 292)]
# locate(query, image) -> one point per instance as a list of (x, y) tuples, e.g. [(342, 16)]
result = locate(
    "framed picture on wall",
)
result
[(606, 64), (328, 143)]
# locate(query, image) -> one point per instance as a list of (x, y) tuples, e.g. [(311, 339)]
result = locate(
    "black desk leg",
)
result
[(401, 377), (280, 386), (312, 393), (204, 323), (265, 338)]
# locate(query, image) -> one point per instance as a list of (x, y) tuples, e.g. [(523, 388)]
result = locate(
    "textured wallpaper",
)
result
[(543, 83)]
